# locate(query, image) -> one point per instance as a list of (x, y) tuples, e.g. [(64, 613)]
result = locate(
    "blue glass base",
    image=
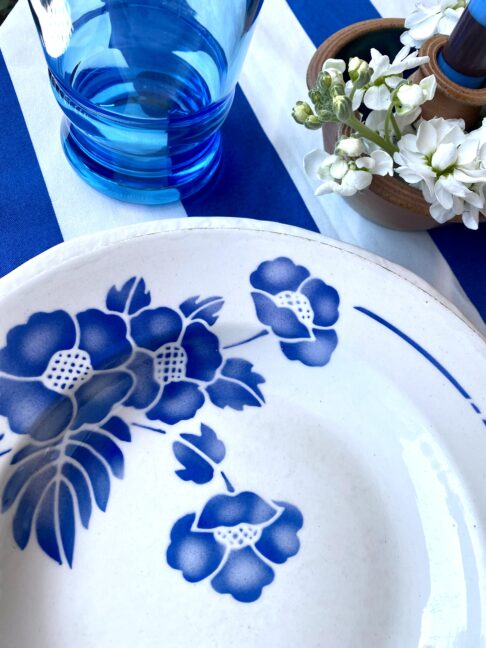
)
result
[(162, 185)]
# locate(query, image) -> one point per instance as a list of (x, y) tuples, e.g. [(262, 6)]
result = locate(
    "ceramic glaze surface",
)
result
[(284, 447)]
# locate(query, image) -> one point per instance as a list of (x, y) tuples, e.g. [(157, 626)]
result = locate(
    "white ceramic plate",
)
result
[(227, 434)]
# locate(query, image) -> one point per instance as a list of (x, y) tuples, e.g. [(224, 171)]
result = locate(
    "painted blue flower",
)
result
[(237, 539), (299, 309), (173, 365), (59, 372)]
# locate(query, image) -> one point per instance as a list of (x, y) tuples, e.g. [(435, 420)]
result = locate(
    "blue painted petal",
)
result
[(97, 396), (230, 510), (179, 402), (29, 500), (154, 328), (104, 337), (202, 348), (313, 354), (228, 393), (244, 575), (33, 409), (279, 541), (46, 525), (78, 481), (146, 388), (278, 275), (283, 321), (30, 346), (197, 555), (324, 301)]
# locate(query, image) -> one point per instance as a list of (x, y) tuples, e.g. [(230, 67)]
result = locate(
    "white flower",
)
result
[(346, 177), (350, 146), (427, 20), (412, 95), (385, 78), (335, 68), (445, 163)]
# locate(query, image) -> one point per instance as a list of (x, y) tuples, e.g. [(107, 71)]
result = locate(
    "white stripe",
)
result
[(394, 8), (273, 79), (79, 208)]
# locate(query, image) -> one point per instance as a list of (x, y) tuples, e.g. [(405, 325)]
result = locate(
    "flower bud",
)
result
[(301, 111), (324, 81), (313, 122), (337, 90), (353, 67), (325, 115), (342, 108), (350, 147), (314, 95)]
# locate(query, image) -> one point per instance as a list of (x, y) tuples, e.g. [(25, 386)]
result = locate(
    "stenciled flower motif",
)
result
[(345, 175), (59, 372), (173, 364), (429, 19), (237, 539), (299, 309), (445, 164)]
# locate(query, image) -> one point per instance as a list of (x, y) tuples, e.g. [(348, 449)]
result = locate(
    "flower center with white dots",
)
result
[(239, 536), (67, 370), (170, 364), (298, 304)]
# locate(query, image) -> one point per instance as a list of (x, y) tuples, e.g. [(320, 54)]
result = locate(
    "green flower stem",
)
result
[(398, 132), (363, 130)]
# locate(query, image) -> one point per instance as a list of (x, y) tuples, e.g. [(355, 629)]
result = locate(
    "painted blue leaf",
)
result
[(242, 370), (118, 428), (27, 451), (66, 521), (78, 481), (130, 298), (104, 447), (237, 387), (97, 473), (24, 473), (196, 468), (203, 309), (46, 525), (22, 522), (207, 442)]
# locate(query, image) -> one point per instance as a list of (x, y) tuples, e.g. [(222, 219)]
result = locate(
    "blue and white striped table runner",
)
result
[(42, 201)]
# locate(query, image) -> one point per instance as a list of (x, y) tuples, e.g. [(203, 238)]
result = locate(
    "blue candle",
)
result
[(463, 58)]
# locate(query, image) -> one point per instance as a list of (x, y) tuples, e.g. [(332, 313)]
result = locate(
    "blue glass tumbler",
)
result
[(145, 86)]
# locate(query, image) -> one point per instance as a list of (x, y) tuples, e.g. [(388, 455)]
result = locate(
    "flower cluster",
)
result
[(448, 166), (431, 19), (380, 109)]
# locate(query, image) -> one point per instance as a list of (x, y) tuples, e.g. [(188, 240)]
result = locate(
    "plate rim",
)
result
[(67, 251)]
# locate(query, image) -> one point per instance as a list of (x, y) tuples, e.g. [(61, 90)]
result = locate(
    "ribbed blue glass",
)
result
[(144, 86)]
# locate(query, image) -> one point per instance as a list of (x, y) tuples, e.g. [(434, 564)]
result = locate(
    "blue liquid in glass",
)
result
[(145, 87)]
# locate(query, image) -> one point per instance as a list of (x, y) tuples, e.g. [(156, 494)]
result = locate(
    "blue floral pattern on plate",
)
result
[(237, 539), (66, 380), (298, 308)]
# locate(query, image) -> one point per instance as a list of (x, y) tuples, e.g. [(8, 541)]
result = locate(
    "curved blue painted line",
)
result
[(417, 347)]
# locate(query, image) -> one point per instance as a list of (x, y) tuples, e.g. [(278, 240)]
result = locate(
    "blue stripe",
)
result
[(252, 181), (28, 224), (465, 252), (321, 19), (417, 347)]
